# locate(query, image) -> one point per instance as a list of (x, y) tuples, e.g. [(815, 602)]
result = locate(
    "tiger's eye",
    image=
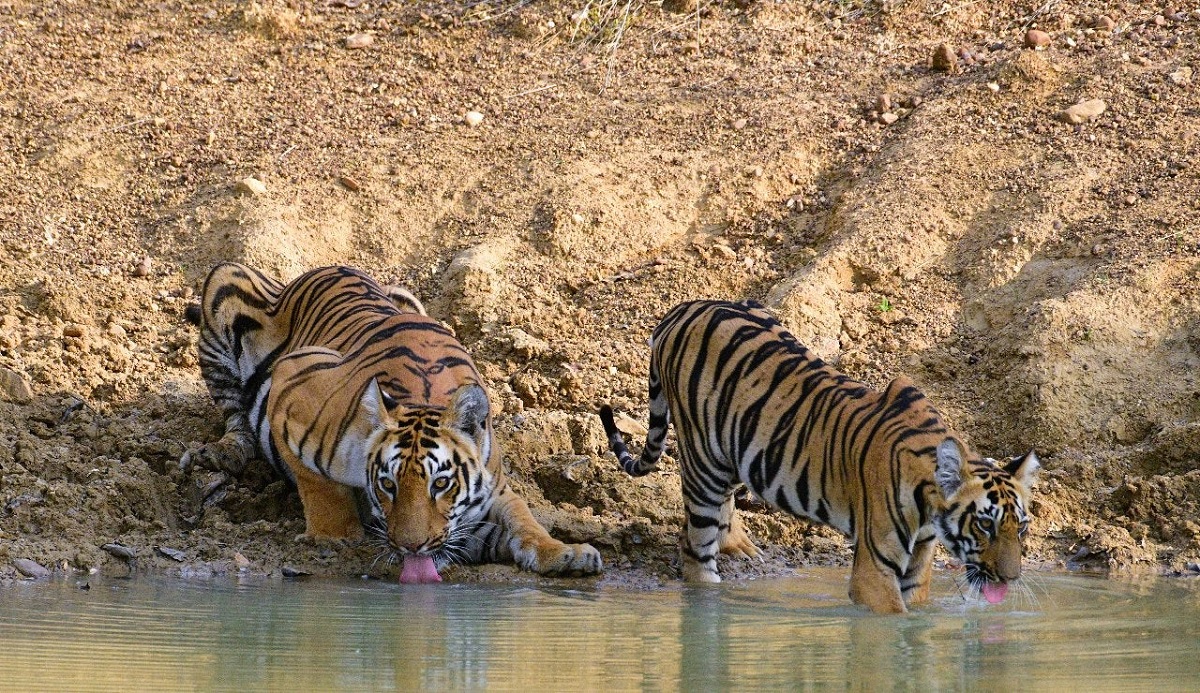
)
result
[(984, 524), (441, 483), (387, 485)]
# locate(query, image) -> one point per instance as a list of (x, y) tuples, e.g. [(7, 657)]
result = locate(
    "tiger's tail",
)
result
[(655, 437)]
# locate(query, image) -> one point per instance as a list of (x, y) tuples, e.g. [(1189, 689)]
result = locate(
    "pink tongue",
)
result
[(418, 569), (994, 591)]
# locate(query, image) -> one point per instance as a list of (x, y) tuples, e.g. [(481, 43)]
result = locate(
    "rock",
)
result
[(740, 123), (13, 387), (1182, 76), (944, 59), (1104, 23), (888, 118), (30, 568), (240, 561), (994, 87), (526, 345), (359, 41), (143, 267), (75, 331), (1036, 39), (251, 186), (883, 103), (474, 118), (1083, 111), (349, 183), (173, 554), (120, 551), (290, 572)]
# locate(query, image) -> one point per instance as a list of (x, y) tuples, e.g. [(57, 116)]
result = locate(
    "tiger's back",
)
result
[(753, 406), (249, 320)]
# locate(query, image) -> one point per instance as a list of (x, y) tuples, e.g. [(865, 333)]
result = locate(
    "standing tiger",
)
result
[(343, 384), (753, 407)]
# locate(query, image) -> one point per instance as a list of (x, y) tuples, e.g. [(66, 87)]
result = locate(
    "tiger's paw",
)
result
[(224, 455), (575, 560), (322, 541), (737, 544), (698, 572)]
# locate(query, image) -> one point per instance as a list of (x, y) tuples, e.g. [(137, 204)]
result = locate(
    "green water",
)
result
[(1066, 632)]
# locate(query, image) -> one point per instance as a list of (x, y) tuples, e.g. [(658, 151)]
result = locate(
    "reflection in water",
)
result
[(795, 633)]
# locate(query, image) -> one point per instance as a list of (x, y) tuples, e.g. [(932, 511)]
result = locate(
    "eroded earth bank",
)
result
[(903, 209)]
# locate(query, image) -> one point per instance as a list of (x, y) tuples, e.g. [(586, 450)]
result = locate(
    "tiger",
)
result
[(753, 408), (349, 389)]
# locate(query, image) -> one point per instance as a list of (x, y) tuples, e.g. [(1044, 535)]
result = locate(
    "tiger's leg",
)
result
[(915, 583), (229, 328), (704, 510), (330, 509), (872, 583), (732, 538), (531, 546)]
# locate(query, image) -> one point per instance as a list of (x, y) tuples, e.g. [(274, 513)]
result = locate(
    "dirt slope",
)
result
[(1038, 278)]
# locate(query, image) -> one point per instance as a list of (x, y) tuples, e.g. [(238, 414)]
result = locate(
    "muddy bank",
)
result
[(1036, 277)]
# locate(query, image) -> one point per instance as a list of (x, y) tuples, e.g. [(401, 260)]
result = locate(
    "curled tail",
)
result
[(655, 438)]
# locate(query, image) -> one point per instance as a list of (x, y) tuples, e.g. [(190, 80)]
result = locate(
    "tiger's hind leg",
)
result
[(709, 518), (234, 334), (732, 538)]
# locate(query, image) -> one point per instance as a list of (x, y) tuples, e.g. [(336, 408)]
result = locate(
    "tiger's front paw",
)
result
[(575, 560)]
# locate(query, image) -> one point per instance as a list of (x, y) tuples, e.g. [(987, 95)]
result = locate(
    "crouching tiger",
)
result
[(753, 407), (342, 384)]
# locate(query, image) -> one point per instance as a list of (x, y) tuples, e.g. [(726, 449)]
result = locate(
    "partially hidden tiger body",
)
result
[(752, 406), (343, 384)]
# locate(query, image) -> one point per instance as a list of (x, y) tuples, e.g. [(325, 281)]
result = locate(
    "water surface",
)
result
[(1067, 632)]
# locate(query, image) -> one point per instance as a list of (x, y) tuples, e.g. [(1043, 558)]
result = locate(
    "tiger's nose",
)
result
[(414, 547)]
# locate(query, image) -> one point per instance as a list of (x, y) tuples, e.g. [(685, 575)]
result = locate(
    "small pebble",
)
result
[(883, 103), (944, 59), (1083, 112), (1036, 39), (241, 561), (359, 41), (290, 572), (30, 568), (474, 118), (251, 186), (888, 118), (740, 123), (349, 183), (994, 87), (143, 267), (75, 331), (1104, 23)]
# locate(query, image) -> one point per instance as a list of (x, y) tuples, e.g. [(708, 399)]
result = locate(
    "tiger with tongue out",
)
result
[(343, 384)]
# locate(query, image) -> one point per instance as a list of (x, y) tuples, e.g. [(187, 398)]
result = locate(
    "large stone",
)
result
[(13, 387)]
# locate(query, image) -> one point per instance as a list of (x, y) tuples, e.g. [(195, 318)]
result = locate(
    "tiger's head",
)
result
[(985, 514), (427, 472)]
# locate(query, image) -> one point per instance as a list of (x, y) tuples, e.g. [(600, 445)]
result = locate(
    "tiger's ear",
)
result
[(470, 408), (376, 403), (1024, 469), (950, 471)]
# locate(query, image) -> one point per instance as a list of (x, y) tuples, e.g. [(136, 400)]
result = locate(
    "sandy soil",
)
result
[(1037, 277)]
